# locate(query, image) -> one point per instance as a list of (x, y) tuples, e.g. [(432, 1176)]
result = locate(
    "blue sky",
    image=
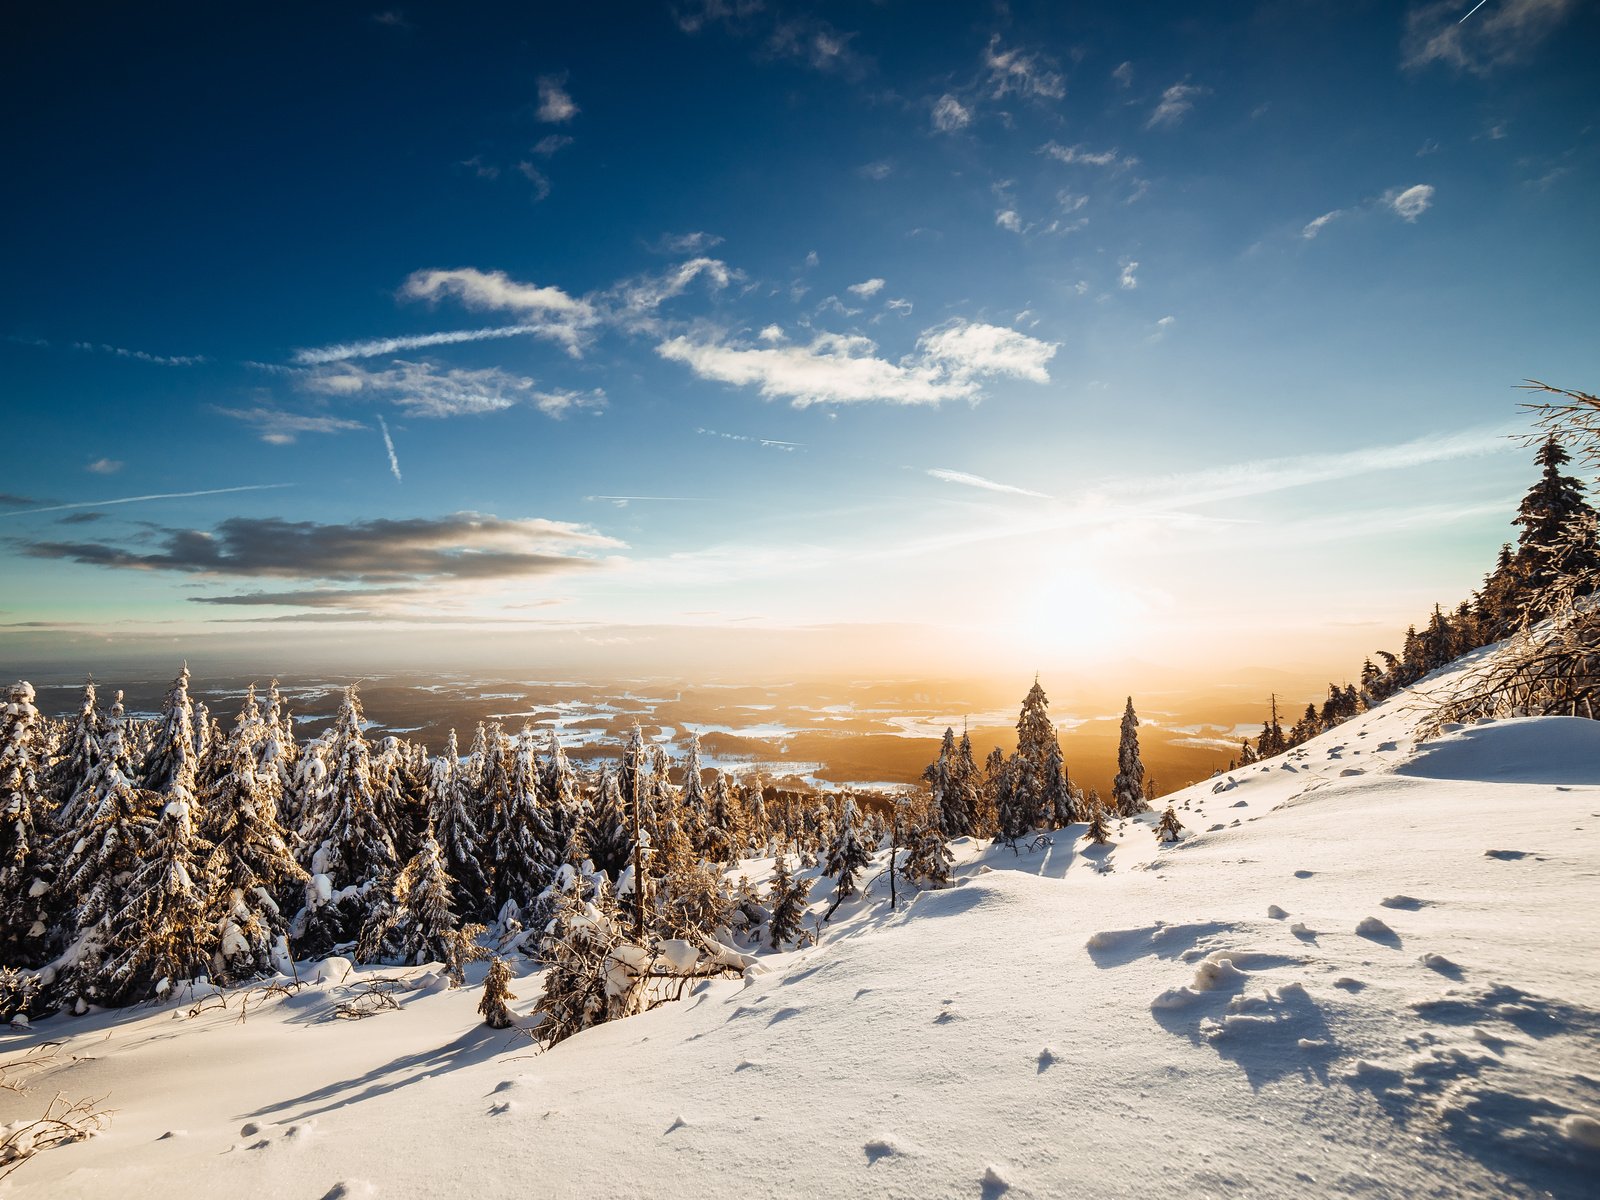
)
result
[(921, 337)]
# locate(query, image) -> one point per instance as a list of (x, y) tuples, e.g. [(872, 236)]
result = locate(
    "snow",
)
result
[(1137, 1020)]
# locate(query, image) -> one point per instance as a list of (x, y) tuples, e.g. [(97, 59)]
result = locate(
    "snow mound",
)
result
[(1541, 750)]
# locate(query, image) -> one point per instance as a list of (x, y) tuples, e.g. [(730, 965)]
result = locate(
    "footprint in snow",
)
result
[(1345, 983), (501, 1109), (880, 1148), (783, 1014), (1240, 804), (173, 1133), (350, 1189), (1304, 874), (1047, 1059), (947, 1016), (1276, 913), (677, 1123), (1303, 932), (994, 1182), (1410, 903), (1511, 855), (746, 1065)]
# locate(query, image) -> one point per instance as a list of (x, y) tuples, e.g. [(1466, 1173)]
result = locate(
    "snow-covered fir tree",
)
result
[(724, 837), (1098, 832), (450, 812), (787, 900), (692, 803), (25, 867), (1169, 829), (1016, 801), (758, 829), (76, 757), (848, 853), (417, 923), (519, 856), (277, 753), (563, 794), (607, 834), (159, 934), (928, 854), (96, 864), (173, 758), (594, 974), (1548, 516), (493, 1006), (347, 845), (251, 874), (1127, 790)]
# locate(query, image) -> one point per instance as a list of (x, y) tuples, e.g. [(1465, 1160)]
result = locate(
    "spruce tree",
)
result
[(847, 854), (723, 834), (450, 813), (349, 849), (607, 833), (1127, 790), (692, 802), (25, 868), (80, 750), (1169, 828), (99, 854), (1016, 806), (1272, 740), (1097, 832), (563, 793), (1039, 775), (1555, 540), (517, 838), (173, 760), (496, 1012), (928, 855), (787, 900), (418, 924), (159, 935), (251, 873), (593, 974)]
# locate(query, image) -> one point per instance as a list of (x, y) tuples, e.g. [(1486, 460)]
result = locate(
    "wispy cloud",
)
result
[(949, 114), (950, 363), (1410, 203), (1502, 34), (966, 479), (695, 242), (555, 104), (105, 466), (879, 170), (50, 508), (163, 360), (1015, 71), (1318, 224), (766, 443), (388, 445), (539, 180), (559, 402), (281, 428), (1123, 75), (866, 288), (1129, 279), (421, 389), (1088, 158), (1175, 104)]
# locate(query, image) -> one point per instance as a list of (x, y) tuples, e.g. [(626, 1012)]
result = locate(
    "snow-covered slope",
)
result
[(1370, 967)]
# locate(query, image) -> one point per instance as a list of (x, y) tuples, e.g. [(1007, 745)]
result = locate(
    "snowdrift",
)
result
[(1369, 967)]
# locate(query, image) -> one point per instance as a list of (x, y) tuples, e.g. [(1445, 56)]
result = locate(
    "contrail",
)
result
[(249, 487), (1475, 8), (388, 444), (321, 355)]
